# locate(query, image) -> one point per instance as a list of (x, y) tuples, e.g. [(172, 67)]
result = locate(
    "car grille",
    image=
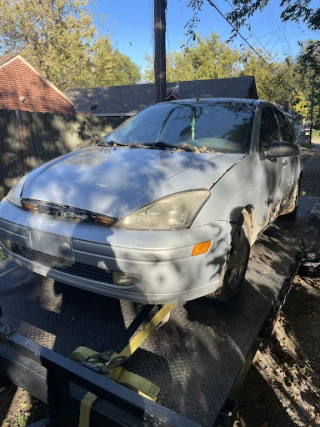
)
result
[(58, 264), (66, 212)]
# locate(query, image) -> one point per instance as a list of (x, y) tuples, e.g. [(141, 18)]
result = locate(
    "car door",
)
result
[(271, 187), (289, 163)]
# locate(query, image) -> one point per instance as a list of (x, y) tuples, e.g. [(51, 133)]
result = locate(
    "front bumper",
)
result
[(162, 259)]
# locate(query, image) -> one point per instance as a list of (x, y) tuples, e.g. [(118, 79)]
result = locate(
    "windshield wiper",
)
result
[(160, 145), (163, 145), (101, 143)]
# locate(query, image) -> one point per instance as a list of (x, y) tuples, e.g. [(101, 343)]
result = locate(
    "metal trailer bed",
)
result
[(199, 358)]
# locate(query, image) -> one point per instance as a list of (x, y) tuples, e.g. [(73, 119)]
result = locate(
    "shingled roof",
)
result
[(6, 57), (128, 100)]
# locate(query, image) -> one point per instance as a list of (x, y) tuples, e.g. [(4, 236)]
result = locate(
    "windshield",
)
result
[(222, 126)]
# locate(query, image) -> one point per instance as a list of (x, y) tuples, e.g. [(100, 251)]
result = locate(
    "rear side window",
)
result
[(284, 127), (269, 131)]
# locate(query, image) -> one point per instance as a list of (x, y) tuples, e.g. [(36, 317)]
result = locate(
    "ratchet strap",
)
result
[(110, 364)]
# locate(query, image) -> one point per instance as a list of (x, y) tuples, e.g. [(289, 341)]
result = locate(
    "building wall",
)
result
[(18, 80), (28, 140)]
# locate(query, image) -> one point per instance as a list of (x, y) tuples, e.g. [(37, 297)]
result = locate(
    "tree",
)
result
[(309, 68), (214, 58), (273, 86), (292, 10), (209, 58), (109, 67), (58, 37), (54, 35), (243, 10), (300, 72)]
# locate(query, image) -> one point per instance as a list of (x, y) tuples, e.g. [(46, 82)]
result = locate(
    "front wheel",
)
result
[(293, 202), (235, 265)]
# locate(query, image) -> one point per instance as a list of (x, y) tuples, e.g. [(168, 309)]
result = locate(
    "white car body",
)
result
[(57, 236)]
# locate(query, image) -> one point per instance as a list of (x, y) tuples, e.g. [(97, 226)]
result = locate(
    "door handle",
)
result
[(284, 162)]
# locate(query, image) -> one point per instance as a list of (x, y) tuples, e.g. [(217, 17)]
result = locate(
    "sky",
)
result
[(130, 25)]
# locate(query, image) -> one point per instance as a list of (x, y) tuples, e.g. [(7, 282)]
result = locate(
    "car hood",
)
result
[(115, 181)]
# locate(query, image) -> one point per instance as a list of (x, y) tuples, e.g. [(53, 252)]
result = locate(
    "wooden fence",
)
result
[(29, 139)]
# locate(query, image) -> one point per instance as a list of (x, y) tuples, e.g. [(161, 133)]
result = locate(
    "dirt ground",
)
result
[(282, 388), (18, 408)]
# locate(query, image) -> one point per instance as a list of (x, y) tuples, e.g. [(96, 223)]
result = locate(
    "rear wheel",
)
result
[(235, 265)]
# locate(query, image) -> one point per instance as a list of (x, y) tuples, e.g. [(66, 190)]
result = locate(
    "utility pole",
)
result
[(160, 49), (311, 108)]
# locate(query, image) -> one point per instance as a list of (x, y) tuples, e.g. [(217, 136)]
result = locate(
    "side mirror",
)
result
[(281, 149)]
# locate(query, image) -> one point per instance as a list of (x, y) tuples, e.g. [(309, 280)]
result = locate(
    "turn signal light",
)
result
[(103, 220), (201, 248), (31, 207)]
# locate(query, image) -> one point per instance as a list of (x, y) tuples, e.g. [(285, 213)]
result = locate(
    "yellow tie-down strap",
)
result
[(133, 381)]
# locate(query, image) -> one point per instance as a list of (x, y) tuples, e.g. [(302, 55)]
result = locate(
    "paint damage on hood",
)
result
[(114, 181)]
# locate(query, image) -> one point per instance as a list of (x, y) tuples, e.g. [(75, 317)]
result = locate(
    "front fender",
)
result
[(238, 188)]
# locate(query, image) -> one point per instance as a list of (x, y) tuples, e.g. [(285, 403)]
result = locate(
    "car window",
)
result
[(284, 127), (269, 131), (223, 126)]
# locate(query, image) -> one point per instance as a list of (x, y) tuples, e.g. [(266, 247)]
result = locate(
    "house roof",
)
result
[(129, 99), (7, 58)]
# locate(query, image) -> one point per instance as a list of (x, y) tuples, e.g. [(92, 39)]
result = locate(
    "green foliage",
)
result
[(59, 38), (298, 74), (213, 58), (275, 87), (243, 10), (109, 67), (309, 69), (21, 420), (209, 58), (291, 10)]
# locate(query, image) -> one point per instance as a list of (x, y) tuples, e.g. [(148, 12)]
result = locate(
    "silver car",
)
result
[(163, 209)]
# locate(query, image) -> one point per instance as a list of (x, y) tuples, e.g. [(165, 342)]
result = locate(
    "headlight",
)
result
[(14, 195), (170, 213)]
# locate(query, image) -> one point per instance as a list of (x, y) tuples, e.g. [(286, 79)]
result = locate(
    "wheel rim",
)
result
[(238, 259)]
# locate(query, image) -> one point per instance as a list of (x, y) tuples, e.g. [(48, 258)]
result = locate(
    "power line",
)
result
[(251, 47), (271, 32), (275, 30), (263, 47), (273, 24), (284, 36)]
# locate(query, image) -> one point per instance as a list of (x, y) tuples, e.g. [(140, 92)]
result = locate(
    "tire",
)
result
[(236, 262), (291, 216)]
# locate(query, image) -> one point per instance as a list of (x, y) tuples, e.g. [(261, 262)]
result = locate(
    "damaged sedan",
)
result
[(163, 209)]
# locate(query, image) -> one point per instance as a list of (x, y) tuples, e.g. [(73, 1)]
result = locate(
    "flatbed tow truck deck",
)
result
[(198, 358)]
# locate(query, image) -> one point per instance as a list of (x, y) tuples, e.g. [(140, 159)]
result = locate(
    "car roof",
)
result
[(255, 102), (210, 100), (241, 100)]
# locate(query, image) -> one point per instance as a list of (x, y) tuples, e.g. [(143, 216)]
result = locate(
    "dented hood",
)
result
[(116, 181)]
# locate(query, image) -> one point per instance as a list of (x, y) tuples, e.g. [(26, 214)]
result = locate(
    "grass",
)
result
[(21, 420)]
